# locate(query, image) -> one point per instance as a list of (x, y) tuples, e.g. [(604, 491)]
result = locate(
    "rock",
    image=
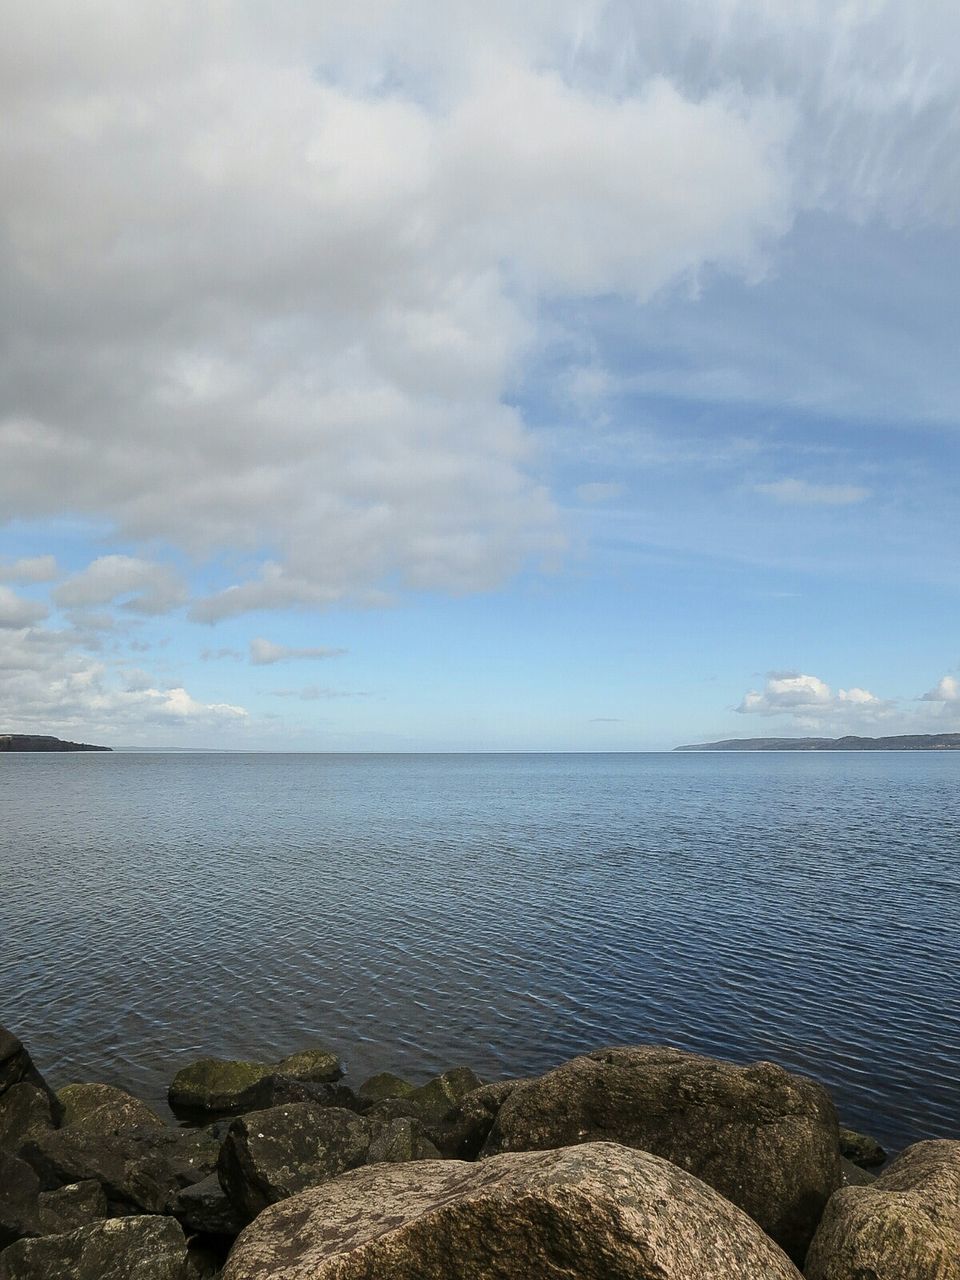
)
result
[(71, 1207), (268, 1155), (27, 1104), (206, 1207), (277, 1090), (394, 1109), (140, 1169), (384, 1085), (400, 1140), (140, 1248), (851, 1175), (19, 1195), (26, 1111), (318, 1066), (466, 1127), (102, 1108), (595, 1212), (904, 1226), (439, 1095), (214, 1085), (861, 1149), (765, 1139)]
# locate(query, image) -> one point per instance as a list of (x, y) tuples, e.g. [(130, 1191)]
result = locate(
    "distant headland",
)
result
[(901, 742), (42, 742)]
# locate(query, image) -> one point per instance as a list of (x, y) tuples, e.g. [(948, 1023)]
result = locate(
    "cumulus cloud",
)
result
[(264, 652), (48, 684), (141, 586), (808, 698), (30, 569), (800, 493), (947, 689), (16, 612), (308, 252)]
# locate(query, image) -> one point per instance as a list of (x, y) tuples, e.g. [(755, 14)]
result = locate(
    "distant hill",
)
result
[(41, 742), (902, 742)]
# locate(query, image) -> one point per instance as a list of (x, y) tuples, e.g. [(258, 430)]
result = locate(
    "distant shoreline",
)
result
[(899, 742), (43, 742)]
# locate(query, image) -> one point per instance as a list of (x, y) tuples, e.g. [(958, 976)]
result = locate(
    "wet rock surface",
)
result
[(599, 1211), (861, 1149)]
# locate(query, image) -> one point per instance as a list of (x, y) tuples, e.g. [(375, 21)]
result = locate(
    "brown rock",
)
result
[(904, 1226), (595, 1212), (765, 1139), (19, 1195), (26, 1111), (71, 1207)]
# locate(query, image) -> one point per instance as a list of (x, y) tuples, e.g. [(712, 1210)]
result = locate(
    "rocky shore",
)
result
[(638, 1163)]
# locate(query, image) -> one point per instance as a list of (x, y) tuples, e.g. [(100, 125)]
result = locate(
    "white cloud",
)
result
[(144, 587), (47, 684), (947, 689), (265, 652), (801, 493), (30, 569), (16, 612), (810, 704), (307, 294)]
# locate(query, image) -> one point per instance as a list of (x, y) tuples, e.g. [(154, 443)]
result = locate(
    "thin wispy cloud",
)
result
[(265, 653), (801, 493)]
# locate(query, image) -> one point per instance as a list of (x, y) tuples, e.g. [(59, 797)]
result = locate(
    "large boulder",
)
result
[(27, 1104), (215, 1085), (102, 1108), (596, 1212), (138, 1248), (140, 1169), (384, 1085), (269, 1155), (764, 1138), (276, 1090), (465, 1128), (19, 1200), (904, 1226), (206, 1207)]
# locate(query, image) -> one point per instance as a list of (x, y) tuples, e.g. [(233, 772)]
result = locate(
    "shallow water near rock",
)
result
[(507, 911)]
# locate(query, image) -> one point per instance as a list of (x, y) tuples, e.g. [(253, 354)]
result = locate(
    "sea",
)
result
[(507, 912)]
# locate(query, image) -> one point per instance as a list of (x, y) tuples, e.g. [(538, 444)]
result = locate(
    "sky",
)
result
[(433, 376)]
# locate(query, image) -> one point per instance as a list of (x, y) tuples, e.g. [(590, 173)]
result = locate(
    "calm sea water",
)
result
[(418, 912)]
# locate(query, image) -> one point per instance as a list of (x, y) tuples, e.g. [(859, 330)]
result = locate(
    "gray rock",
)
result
[(277, 1090), (19, 1196), (102, 1108), (139, 1248), (394, 1109), (316, 1065), (140, 1169), (214, 1085), (440, 1095), (861, 1149), (904, 1226), (16, 1065), (466, 1127), (269, 1155), (72, 1207), (206, 1207), (26, 1111), (384, 1085), (595, 1212), (765, 1139), (400, 1140)]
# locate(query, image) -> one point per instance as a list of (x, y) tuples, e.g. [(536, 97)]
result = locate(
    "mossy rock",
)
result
[(384, 1085), (215, 1085), (443, 1092), (314, 1066)]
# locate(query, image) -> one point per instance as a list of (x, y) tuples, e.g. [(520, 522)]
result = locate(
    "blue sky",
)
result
[(579, 378)]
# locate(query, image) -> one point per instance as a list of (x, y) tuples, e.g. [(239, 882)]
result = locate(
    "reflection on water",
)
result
[(505, 911)]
